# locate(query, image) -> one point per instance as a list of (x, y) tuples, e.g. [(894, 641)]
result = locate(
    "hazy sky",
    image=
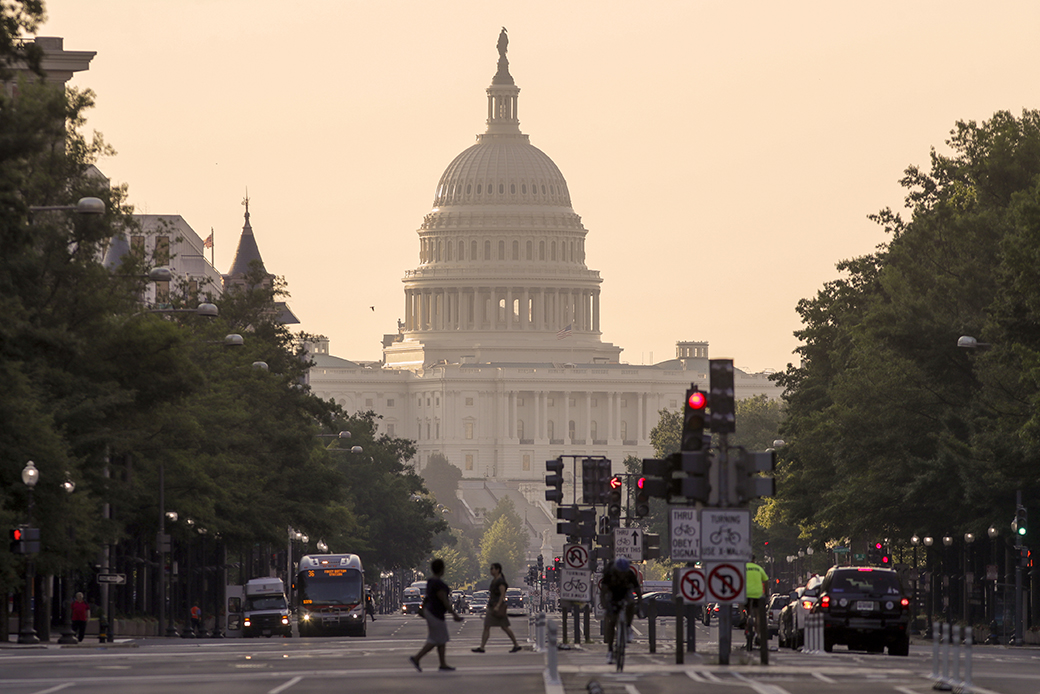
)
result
[(723, 156)]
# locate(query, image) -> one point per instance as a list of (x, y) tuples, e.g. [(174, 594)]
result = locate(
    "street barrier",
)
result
[(552, 672), (813, 633), (944, 637), (539, 631)]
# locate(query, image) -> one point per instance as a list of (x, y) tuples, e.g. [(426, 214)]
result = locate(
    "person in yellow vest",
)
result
[(757, 592)]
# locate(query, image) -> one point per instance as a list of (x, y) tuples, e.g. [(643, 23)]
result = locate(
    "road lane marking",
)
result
[(760, 687), (283, 687), (55, 689), (824, 678)]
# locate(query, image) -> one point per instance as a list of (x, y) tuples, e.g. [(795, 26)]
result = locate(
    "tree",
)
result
[(890, 429), (505, 540)]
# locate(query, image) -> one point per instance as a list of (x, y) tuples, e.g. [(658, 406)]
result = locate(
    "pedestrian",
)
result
[(196, 620), (496, 613), (370, 605), (435, 608), (80, 615)]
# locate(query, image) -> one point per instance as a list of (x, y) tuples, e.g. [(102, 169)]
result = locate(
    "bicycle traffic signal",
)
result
[(554, 481), (695, 419), (723, 418), (748, 483), (595, 474)]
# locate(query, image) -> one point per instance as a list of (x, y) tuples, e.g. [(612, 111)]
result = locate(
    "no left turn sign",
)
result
[(691, 585), (726, 582)]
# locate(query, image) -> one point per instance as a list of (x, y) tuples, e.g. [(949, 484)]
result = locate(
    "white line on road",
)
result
[(282, 687), (631, 689), (760, 687), (55, 689), (824, 678)]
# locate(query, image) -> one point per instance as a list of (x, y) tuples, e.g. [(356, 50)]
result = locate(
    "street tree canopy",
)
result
[(891, 429)]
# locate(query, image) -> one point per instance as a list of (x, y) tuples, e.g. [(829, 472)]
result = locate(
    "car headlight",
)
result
[(306, 616), (247, 622), (285, 619)]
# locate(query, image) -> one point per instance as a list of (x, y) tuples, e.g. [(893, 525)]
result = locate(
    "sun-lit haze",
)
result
[(723, 156)]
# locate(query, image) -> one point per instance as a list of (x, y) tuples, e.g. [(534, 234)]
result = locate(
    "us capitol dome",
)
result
[(502, 274)]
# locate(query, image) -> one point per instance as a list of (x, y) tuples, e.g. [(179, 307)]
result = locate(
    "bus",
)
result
[(330, 595)]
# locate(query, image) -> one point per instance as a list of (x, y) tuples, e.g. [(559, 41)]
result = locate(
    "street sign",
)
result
[(725, 581), (726, 534), (685, 530), (118, 579), (575, 585), (628, 543), (691, 585), (576, 556)]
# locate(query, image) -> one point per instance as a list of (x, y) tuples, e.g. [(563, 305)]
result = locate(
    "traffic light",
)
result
[(651, 546), (723, 418), (748, 482), (614, 498), (541, 565), (642, 498), (695, 419), (874, 553), (579, 522), (554, 481), (1018, 526), (595, 474), (25, 540), (682, 474)]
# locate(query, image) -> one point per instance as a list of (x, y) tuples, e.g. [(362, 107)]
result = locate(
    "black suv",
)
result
[(864, 608)]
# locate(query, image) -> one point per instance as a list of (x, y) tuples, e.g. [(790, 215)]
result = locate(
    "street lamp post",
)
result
[(68, 636), (991, 607), (947, 602), (27, 633), (969, 576), (927, 540)]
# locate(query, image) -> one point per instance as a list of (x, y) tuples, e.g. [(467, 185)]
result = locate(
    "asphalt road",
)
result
[(379, 663)]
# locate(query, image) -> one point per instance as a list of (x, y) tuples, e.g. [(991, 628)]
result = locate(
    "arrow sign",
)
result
[(628, 543), (118, 579)]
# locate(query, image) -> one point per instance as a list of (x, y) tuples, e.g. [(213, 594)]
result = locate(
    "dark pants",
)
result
[(80, 628)]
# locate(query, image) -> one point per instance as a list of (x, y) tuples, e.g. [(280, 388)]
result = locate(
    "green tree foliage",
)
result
[(17, 18), (891, 429), (505, 541)]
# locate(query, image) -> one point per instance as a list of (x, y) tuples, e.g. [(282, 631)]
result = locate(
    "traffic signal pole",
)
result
[(1019, 614), (726, 614)]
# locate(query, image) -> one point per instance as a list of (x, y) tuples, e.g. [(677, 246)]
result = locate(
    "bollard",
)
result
[(943, 684), (563, 615), (552, 672), (651, 624), (959, 643), (966, 682), (936, 637), (102, 629), (539, 631)]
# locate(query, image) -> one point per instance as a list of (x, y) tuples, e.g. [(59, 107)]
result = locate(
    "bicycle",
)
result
[(621, 633), (750, 627)]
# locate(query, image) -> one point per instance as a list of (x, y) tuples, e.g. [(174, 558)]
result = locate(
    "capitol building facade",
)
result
[(499, 362)]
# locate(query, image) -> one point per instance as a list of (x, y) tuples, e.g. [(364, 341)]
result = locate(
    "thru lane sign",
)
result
[(628, 543)]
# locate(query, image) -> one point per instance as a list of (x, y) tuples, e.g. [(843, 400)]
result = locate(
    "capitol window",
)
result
[(390, 402), (468, 429), (478, 189), (501, 188), (468, 188), (523, 189), (527, 462), (469, 461), (469, 402)]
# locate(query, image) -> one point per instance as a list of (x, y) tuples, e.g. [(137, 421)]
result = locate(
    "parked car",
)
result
[(864, 608), (792, 617), (773, 609)]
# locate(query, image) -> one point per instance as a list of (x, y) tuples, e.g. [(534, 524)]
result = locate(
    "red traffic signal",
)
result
[(615, 482), (640, 482), (697, 400), (16, 535)]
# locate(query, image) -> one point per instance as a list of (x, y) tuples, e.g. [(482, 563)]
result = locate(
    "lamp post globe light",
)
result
[(928, 541), (68, 636), (26, 631)]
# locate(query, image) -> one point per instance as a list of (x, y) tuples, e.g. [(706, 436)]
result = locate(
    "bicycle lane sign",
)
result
[(726, 534), (575, 585), (725, 581), (685, 530)]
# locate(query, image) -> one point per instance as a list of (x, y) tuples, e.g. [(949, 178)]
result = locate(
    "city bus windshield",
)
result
[(330, 587)]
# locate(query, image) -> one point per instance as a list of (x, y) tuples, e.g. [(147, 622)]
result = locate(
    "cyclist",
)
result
[(619, 583), (757, 594)]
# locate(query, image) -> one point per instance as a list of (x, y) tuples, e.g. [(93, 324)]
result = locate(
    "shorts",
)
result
[(491, 620)]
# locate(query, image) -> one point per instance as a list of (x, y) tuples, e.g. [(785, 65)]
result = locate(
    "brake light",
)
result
[(807, 604), (905, 602), (825, 602)]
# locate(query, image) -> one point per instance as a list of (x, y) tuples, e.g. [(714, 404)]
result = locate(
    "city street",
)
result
[(379, 663)]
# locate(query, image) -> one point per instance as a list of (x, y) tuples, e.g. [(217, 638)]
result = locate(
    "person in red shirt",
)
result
[(196, 620), (80, 615)]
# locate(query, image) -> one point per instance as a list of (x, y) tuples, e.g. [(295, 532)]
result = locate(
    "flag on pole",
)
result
[(566, 332), (208, 243)]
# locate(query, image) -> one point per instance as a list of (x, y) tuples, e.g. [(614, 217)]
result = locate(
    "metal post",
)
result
[(551, 656), (651, 624), (1019, 612), (680, 614)]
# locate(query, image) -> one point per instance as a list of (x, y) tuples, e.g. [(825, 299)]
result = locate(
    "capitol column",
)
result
[(509, 308), (595, 311)]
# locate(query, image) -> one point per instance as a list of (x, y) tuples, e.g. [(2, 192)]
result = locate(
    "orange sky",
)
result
[(723, 155)]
